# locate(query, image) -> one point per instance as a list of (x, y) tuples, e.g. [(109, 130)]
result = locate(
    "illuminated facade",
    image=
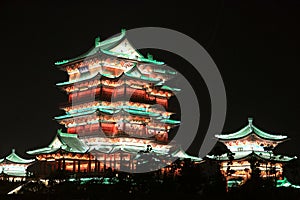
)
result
[(251, 153), (117, 107), (13, 167), (66, 153)]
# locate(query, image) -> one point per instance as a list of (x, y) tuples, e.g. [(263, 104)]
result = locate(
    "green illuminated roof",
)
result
[(75, 115), (170, 121), (181, 154), (248, 130), (61, 62), (44, 150), (165, 87), (244, 155), (133, 73), (107, 47), (63, 141), (285, 183), (141, 58), (108, 43), (14, 158), (15, 173), (113, 111), (112, 148), (138, 112), (136, 73), (150, 61)]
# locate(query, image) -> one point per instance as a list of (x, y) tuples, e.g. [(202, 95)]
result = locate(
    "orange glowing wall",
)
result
[(163, 102)]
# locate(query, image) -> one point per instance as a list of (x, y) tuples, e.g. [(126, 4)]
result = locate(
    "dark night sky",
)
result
[(255, 46)]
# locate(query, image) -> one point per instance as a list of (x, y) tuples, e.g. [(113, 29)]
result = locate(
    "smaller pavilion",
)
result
[(250, 154), (14, 168)]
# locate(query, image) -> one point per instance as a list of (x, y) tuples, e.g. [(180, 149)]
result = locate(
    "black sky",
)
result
[(254, 44)]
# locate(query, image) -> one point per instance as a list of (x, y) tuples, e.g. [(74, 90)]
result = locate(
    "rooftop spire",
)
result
[(123, 30), (149, 56), (250, 120), (13, 151), (97, 41)]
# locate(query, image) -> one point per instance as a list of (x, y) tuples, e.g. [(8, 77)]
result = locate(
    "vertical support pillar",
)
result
[(78, 169), (45, 168), (64, 164), (89, 165), (74, 165), (115, 162), (59, 165), (95, 163)]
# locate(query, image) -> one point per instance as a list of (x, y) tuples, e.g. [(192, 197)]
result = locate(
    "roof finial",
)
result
[(149, 56), (250, 120), (13, 150), (123, 30), (97, 41)]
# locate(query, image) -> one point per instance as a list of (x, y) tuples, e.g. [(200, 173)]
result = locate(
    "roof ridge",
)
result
[(13, 157), (248, 130), (98, 43)]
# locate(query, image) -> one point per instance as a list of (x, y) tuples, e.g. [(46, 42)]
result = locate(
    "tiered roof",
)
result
[(14, 158), (14, 165), (137, 149), (63, 141), (133, 73), (71, 143), (248, 130), (110, 47), (121, 111), (115, 47), (251, 133)]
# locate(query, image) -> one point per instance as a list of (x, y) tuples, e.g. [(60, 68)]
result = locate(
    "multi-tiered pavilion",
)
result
[(14, 168), (250, 153), (117, 108)]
